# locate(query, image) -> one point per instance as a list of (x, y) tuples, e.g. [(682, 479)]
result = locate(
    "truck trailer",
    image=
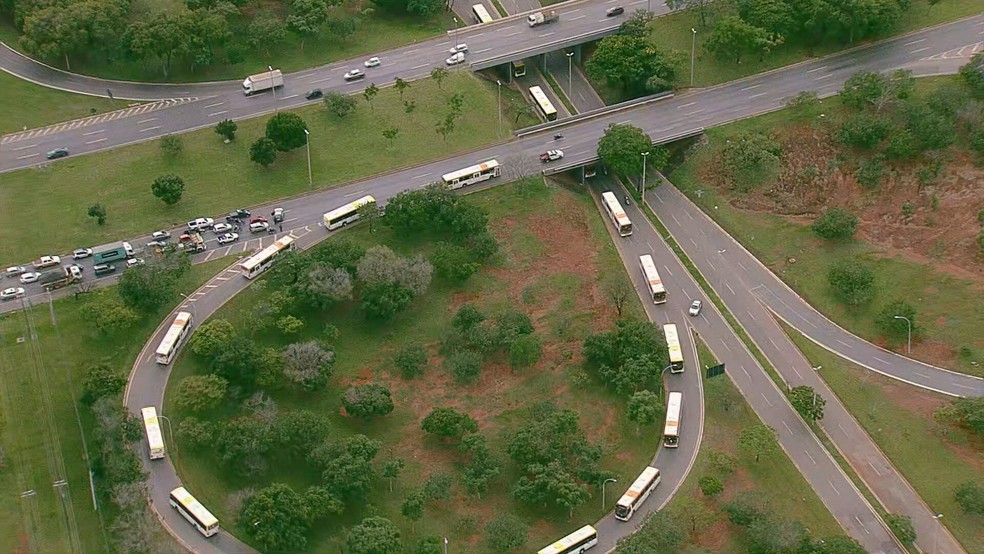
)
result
[(115, 252), (262, 81), (62, 277), (542, 18), (192, 242)]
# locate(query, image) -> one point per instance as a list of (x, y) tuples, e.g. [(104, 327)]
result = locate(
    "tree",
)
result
[(342, 27), (101, 380), (382, 265), (710, 486), (306, 17), (321, 503), (171, 145), (835, 223), (931, 130), (287, 130), (289, 324), (151, 285), (969, 413), (639, 373), (98, 211), (243, 444), (439, 74), (807, 402), (263, 152), (455, 104), (693, 514), (401, 86), (465, 365), (551, 483), (775, 16), (970, 497), (226, 129), (108, 314), (366, 401), (431, 544), (196, 434), (297, 430), (413, 506), (973, 74), (619, 291), (894, 327), (758, 439), (197, 393), (901, 145), (391, 470), (506, 533), (525, 351), (212, 337), (746, 508), (266, 31), (721, 462), (375, 535), (838, 544), (864, 130), (870, 89), (454, 262), (369, 213), (438, 486), (340, 105), (644, 408), (390, 134), (631, 339), (732, 38), (236, 362), (161, 38), (901, 526), (852, 282), (325, 285), (347, 466), (168, 188), (410, 360), (445, 127), (448, 423), (381, 301), (622, 146), (660, 533), (308, 365), (370, 93), (776, 534), (750, 160), (631, 63), (278, 518)]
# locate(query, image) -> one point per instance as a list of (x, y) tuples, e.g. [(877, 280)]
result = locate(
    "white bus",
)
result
[(262, 260), (155, 440), (656, 288), (349, 213), (640, 490), (173, 338), (194, 512), (575, 543), (671, 432), (616, 213), (543, 103), (481, 14), (471, 175), (673, 347)]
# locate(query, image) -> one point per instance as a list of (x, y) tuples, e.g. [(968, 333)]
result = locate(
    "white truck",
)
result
[(542, 18), (262, 81)]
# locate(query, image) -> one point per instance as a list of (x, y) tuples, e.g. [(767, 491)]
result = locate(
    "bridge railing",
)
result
[(552, 170)]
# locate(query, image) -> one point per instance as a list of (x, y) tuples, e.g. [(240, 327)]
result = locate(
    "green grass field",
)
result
[(789, 495), (556, 291), (219, 177), (38, 106), (38, 426), (899, 420)]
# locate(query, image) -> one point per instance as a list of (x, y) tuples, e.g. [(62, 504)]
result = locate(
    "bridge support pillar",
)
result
[(509, 74), (542, 62), (584, 176), (577, 54)]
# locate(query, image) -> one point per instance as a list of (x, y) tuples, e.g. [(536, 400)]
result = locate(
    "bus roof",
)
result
[(351, 206), (673, 403), (639, 486), (257, 259), (152, 426), (651, 274), (470, 170), (567, 541), (615, 207), (194, 506), (173, 332)]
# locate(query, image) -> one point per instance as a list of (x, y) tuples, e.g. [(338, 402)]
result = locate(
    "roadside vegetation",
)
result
[(205, 40), (741, 496), (79, 362), (398, 128), (895, 155), (919, 431), (512, 329), (39, 106)]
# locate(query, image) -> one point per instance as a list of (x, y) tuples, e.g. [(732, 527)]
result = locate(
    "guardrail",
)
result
[(662, 140), (549, 47), (593, 113)]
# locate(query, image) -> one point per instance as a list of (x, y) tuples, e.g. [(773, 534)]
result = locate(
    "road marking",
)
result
[(827, 76), (481, 51), (354, 193), (147, 120), (576, 18), (287, 97), (918, 50), (742, 266), (729, 349), (305, 76), (844, 343), (745, 371), (774, 343), (694, 112), (817, 69), (808, 455), (217, 113), (757, 95), (97, 141), (27, 156), (841, 427), (729, 288), (882, 360), (911, 42), (861, 524), (214, 105), (548, 34), (668, 270), (690, 215), (838, 492), (340, 68), (476, 35), (421, 176), (750, 314), (94, 132), (149, 129), (751, 87), (875, 469), (414, 51), (710, 264), (923, 375), (24, 147), (321, 80), (686, 105), (767, 401), (419, 66), (511, 34), (963, 386)]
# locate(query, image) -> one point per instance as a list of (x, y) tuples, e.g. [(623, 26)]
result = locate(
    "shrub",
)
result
[(863, 130), (902, 528), (852, 282), (410, 360), (893, 327), (200, 392), (367, 401), (465, 365), (525, 351), (506, 533), (869, 172), (835, 223), (710, 486), (970, 497), (196, 434)]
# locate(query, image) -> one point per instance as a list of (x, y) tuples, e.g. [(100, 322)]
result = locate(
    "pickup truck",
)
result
[(46, 261), (192, 242)]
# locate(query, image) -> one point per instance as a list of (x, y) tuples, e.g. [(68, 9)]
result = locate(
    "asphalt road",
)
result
[(742, 281), (574, 84)]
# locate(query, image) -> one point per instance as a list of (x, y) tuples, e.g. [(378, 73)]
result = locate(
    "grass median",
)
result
[(52, 202), (37, 106)]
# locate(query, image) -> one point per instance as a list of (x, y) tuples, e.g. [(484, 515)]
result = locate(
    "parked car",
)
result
[(278, 215), (220, 228), (134, 262), (57, 153), (354, 74), (614, 10), (258, 226), (314, 94), (102, 269), (455, 59), (15, 270), (161, 235), (200, 223), (80, 253), (371, 62), (228, 237), (695, 308), (551, 155), (458, 48), (11, 293), (30, 277)]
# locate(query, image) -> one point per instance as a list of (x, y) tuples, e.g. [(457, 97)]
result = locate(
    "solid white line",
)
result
[(774, 343), (548, 34), (750, 377), (218, 113), (788, 428), (750, 314), (817, 69), (751, 87), (767, 401), (729, 288), (214, 105), (94, 132), (149, 129), (838, 492), (875, 469), (728, 347), (757, 95), (24, 147), (97, 141)]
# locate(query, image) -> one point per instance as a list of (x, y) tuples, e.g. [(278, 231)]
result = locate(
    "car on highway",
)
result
[(220, 228), (30, 277), (354, 74), (241, 213), (551, 156), (200, 223), (455, 59), (278, 215), (614, 10), (80, 253), (695, 308), (228, 237), (57, 153), (161, 235), (102, 269), (134, 262), (258, 226), (156, 244), (15, 270), (258, 219), (458, 48), (11, 293), (46, 261), (314, 94), (371, 62), (75, 268)]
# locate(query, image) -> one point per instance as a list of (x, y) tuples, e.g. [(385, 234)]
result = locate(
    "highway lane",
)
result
[(728, 269)]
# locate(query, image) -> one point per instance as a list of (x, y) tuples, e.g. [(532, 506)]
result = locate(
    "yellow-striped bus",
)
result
[(481, 14), (262, 260), (673, 348), (472, 174), (575, 543), (172, 340), (543, 103), (640, 490), (671, 431), (349, 213), (194, 512)]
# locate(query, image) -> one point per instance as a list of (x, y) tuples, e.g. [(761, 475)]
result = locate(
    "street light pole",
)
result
[(908, 326), (170, 431), (936, 530), (693, 51), (445, 545), (609, 480), (570, 76), (274, 89), (643, 187), (307, 143), (498, 90), (455, 32), (190, 303)]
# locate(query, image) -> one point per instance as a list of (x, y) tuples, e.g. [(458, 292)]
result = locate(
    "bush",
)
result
[(196, 434), (454, 262), (893, 327), (226, 129), (746, 508), (869, 172), (852, 282), (751, 160), (710, 486), (101, 380), (506, 533), (465, 365), (970, 497), (289, 325), (835, 223), (410, 360), (171, 145), (902, 528), (367, 400), (863, 131), (200, 392), (901, 145), (525, 351), (211, 338)]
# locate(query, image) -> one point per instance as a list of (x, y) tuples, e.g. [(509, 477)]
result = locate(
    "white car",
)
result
[(47, 261), (455, 59), (156, 244), (200, 223), (134, 262), (30, 277), (161, 235), (458, 48), (551, 156), (228, 237), (15, 270), (371, 62), (81, 253), (354, 74), (220, 228), (12, 292), (258, 226), (695, 308)]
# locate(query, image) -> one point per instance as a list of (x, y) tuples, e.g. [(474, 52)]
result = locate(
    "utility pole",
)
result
[(693, 52), (307, 143)]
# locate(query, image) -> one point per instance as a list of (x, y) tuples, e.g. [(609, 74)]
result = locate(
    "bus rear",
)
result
[(671, 431)]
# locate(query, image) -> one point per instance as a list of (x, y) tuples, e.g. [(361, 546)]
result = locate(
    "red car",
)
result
[(258, 219)]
